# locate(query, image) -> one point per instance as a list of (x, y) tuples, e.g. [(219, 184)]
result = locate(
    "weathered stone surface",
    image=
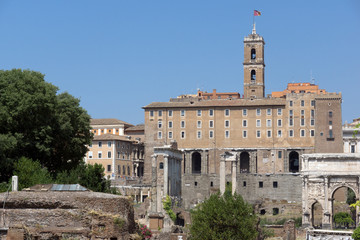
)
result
[(82, 215)]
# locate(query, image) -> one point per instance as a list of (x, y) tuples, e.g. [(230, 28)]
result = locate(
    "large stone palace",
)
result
[(264, 134)]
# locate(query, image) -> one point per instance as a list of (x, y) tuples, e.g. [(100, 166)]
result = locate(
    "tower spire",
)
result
[(254, 29)]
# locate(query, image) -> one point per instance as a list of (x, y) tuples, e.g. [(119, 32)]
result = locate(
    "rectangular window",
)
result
[(258, 112), (118, 154), (170, 113), (279, 122), (159, 135), (211, 134), (109, 144), (227, 123), (302, 112), (279, 154), (312, 132), (291, 122), (302, 121), (330, 114), (312, 122), (291, 133), (199, 113), (182, 124), (198, 124), (151, 113), (170, 124), (244, 112), (302, 133), (90, 154), (159, 124), (227, 134), (268, 133), (291, 103), (258, 123), (244, 183), (109, 154), (198, 134), (258, 134), (244, 123), (100, 144), (313, 103), (245, 134), (331, 134), (302, 103), (291, 113), (279, 112), (275, 184), (312, 113), (211, 123), (268, 111), (99, 154), (352, 148), (170, 135), (211, 112), (109, 168), (182, 134), (227, 112), (261, 184), (160, 113), (279, 133), (182, 113), (268, 122)]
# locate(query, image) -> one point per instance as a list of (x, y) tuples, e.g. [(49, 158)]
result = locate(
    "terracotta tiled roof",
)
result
[(219, 103), (108, 121), (110, 137), (140, 127)]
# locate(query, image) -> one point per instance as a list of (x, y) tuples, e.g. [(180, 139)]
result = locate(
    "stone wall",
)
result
[(81, 215)]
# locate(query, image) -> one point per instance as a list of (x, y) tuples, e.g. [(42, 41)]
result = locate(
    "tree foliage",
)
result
[(356, 234), (87, 175), (38, 124), (223, 217), (343, 219), (30, 173)]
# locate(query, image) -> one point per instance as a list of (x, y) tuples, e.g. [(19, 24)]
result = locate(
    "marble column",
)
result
[(234, 169), (327, 215), (154, 183), (306, 213), (166, 175), (188, 162), (222, 173)]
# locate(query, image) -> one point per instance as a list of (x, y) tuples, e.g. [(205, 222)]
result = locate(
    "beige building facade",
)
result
[(122, 156), (267, 134)]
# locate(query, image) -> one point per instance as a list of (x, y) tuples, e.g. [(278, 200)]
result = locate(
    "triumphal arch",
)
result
[(322, 175)]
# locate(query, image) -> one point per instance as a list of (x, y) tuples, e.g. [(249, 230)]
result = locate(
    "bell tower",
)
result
[(254, 66)]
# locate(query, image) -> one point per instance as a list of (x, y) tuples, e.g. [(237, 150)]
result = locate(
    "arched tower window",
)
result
[(196, 162), (253, 75), (253, 53)]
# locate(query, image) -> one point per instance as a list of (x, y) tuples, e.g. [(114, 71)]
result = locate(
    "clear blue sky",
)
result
[(120, 55)]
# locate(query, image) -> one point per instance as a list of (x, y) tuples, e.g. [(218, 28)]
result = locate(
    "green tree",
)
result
[(356, 234), (223, 217), (87, 175), (30, 173), (38, 124)]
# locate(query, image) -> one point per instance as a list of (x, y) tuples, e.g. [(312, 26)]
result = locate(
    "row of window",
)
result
[(108, 131), (244, 123), (109, 144), (199, 112), (108, 169), (244, 134), (302, 103), (109, 153), (211, 112)]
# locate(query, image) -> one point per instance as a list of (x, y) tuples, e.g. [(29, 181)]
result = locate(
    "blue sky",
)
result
[(118, 56)]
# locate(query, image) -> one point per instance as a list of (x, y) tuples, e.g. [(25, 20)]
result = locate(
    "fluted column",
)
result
[(234, 183)]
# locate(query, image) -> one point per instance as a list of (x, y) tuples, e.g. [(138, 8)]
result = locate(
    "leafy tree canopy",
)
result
[(38, 123), (223, 217)]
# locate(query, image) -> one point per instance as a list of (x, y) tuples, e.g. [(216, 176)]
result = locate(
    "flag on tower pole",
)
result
[(257, 13)]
